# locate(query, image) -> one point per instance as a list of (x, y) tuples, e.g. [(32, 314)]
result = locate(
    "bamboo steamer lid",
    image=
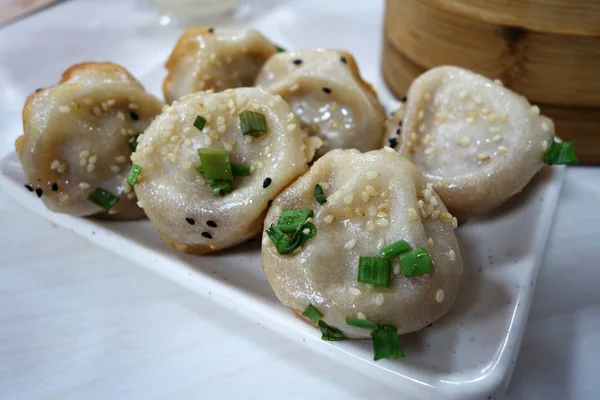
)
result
[(547, 50)]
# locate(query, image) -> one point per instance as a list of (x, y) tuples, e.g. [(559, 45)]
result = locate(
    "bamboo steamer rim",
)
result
[(573, 17)]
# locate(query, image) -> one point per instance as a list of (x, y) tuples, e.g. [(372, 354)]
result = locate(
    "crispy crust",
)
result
[(185, 248)]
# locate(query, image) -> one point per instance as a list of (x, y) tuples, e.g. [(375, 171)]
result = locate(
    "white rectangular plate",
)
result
[(468, 354)]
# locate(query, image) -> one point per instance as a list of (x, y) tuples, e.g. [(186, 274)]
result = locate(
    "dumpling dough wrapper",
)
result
[(477, 142), (78, 136), (373, 200), (328, 95), (215, 58), (177, 199)]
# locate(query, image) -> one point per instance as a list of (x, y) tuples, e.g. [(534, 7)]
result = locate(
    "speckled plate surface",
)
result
[(469, 354)]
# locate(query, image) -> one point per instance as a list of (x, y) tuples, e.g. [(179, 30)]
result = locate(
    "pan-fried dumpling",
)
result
[(206, 185), (218, 59), (78, 138), (476, 141), (373, 200), (329, 97)]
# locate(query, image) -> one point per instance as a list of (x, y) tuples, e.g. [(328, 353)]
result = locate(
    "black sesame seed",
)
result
[(393, 142), (37, 90), (207, 235), (211, 30), (211, 223), (403, 99), (39, 191), (298, 61), (54, 187), (134, 116), (343, 59), (267, 182), (28, 187), (327, 90), (190, 221), (399, 123), (398, 131), (269, 203)]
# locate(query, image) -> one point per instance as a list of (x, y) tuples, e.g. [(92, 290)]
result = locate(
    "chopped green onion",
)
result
[(416, 262), (283, 243), (134, 143), (361, 323), (375, 271), (312, 313), (103, 198), (319, 196), (219, 186), (330, 333), (136, 170), (386, 343), (561, 154), (290, 220), (253, 123), (240, 170), (200, 122), (280, 49), (394, 249), (215, 164)]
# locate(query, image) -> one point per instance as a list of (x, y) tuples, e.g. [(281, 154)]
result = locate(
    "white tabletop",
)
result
[(77, 322)]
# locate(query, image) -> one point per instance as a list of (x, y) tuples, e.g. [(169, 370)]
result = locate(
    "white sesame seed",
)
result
[(349, 198), (350, 244), (483, 157), (389, 149), (260, 165), (383, 207), (372, 174), (64, 198), (545, 127), (462, 95), (545, 145), (329, 219), (370, 225), (93, 159), (309, 219), (87, 102), (64, 109), (172, 157), (442, 183), (120, 159), (452, 255), (435, 214), (427, 194), (385, 194), (140, 204), (486, 111), (187, 165), (265, 241), (420, 115), (133, 106), (91, 168), (396, 269), (306, 231), (355, 291), (470, 120), (54, 164), (428, 151), (84, 185), (503, 149), (465, 141), (379, 299), (412, 214), (446, 216), (381, 243), (382, 222), (115, 168), (112, 211), (131, 196), (497, 138), (120, 116), (430, 241), (371, 190), (61, 168), (535, 110), (324, 185), (477, 100), (364, 197), (360, 315), (439, 295), (372, 211), (291, 127), (454, 222)]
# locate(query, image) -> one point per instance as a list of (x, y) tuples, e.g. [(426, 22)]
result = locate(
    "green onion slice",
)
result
[(290, 220), (330, 333), (394, 249), (240, 170), (136, 170), (319, 196), (375, 271), (200, 122), (561, 154), (219, 186), (312, 313), (215, 163), (134, 143), (280, 49), (361, 323), (253, 123), (386, 343), (284, 243), (103, 198), (416, 262)]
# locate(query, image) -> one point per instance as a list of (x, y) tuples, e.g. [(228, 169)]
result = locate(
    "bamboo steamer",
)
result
[(547, 50)]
